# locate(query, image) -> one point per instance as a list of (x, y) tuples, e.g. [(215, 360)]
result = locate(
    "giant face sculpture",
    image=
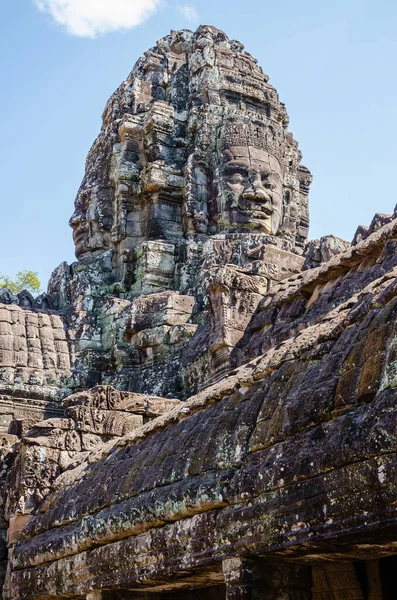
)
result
[(91, 223), (252, 187), (193, 143)]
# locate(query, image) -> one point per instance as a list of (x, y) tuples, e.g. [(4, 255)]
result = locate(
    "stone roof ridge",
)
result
[(378, 221), (24, 299), (337, 264)]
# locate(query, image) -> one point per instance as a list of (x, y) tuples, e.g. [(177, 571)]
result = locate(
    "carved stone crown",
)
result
[(270, 137)]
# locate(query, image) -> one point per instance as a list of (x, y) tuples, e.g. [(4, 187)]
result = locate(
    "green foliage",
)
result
[(25, 280)]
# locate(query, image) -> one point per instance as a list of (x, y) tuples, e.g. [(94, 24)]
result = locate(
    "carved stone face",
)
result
[(155, 171), (91, 223), (252, 189)]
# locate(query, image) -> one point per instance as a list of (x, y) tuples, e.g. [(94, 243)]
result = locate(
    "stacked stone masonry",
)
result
[(203, 406)]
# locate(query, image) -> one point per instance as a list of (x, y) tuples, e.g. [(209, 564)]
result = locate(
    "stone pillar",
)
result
[(94, 596), (258, 579), (373, 579), (234, 298), (239, 578)]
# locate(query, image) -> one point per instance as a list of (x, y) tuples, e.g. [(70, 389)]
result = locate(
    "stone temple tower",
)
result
[(193, 202), (194, 144), (203, 405)]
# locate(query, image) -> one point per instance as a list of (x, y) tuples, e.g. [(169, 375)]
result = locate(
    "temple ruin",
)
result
[(202, 406)]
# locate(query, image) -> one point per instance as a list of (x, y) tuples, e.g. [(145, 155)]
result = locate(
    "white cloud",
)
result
[(189, 12), (89, 18)]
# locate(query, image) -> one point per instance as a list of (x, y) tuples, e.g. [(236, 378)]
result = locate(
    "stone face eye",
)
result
[(236, 178), (270, 185)]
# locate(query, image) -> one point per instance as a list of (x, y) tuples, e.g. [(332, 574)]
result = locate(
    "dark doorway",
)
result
[(388, 576)]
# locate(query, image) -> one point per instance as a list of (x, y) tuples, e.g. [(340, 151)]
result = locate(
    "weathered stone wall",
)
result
[(292, 455), (35, 365)]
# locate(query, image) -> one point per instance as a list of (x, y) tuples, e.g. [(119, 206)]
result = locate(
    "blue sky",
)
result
[(333, 63)]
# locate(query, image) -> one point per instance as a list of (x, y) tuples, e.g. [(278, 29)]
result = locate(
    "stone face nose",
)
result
[(256, 192), (76, 219)]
